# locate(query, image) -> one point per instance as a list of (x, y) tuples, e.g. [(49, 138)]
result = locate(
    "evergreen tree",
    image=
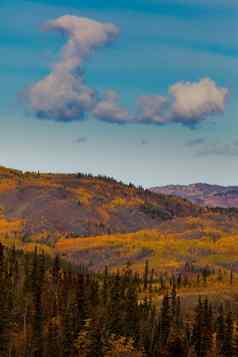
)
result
[(165, 320), (197, 329), (146, 274), (49, 309), (206, 333), (227, 347), (53, 343), (176, 346), (220, 331)]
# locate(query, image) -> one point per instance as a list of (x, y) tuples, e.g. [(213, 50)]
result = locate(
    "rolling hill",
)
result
[(83, 205), (97, 221), (203, 194)]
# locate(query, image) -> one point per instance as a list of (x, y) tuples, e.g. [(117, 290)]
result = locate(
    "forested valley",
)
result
[(49, 308)]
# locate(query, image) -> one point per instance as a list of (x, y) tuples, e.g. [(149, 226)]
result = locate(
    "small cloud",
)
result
[(187, 103), (110, 110), (144, 142), (81, 140), (196, 142), (151, 109), (218, 149), (193, 102)]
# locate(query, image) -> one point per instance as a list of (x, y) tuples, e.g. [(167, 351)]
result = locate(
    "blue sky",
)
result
[(160, 43)]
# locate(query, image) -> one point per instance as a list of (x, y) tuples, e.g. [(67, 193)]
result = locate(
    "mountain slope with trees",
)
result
[(98, 221), (83, 205), (50, 309)]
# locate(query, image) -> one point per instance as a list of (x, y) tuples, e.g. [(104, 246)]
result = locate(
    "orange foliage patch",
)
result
[(123, 202), (103, 213), (8, 227), (7, 185), (83, 195)]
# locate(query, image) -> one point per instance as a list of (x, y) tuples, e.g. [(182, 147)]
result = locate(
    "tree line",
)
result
[(51, 309)]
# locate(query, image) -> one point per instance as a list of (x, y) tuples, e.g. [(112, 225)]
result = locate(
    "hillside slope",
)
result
[(97, 221), (208, 240), (203, 194), (55, 205)]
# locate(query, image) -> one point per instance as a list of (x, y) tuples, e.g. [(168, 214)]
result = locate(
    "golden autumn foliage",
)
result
[(121, 346), (11, 231), (200, 240), (8, 226), (30, 247), (123, 202), (7, 185), (83, 205), (79, 216), (83, 195)]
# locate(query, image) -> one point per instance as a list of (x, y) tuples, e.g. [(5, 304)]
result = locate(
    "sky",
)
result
[(144, 90)]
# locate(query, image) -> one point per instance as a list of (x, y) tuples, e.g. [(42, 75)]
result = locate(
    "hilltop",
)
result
[(52, 205), (98, 221), (203, 194)]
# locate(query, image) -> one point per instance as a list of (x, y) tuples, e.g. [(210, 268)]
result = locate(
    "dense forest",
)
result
[(49, 308)]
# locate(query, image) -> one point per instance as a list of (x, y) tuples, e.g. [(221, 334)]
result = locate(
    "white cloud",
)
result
[(187, 103), (84, 36), (151, 109), (194, 101), (109, 110), (63, 95)]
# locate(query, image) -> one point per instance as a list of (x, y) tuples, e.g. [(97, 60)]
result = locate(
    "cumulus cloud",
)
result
[(109, 109), (151, 109), (194, 101), (63, 94), (187, 103)]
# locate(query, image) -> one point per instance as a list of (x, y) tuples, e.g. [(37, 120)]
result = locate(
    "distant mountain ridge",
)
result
[(203, 194)]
